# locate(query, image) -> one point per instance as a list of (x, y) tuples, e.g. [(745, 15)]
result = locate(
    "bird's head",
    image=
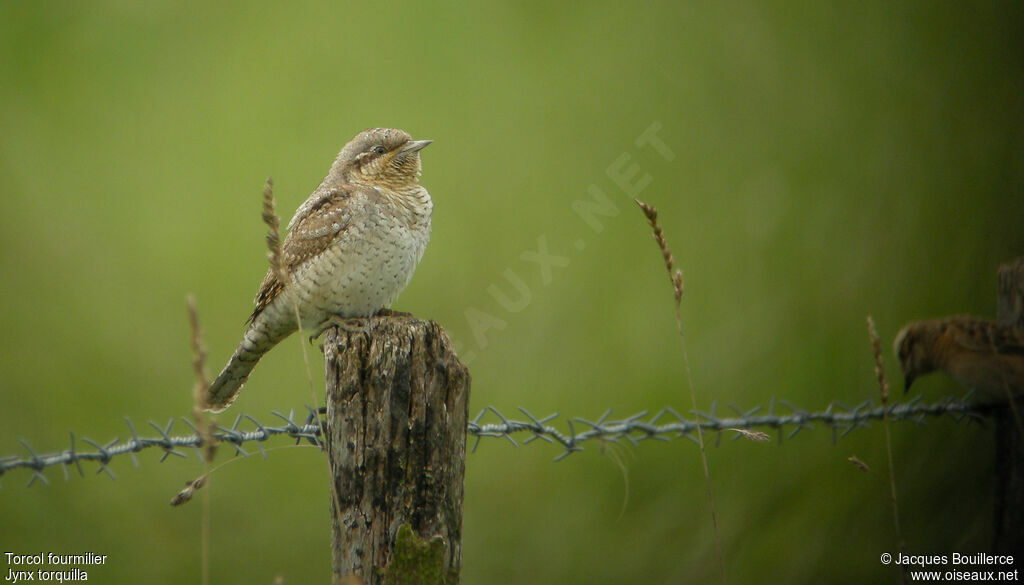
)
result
[(381, 157), (912, 345)]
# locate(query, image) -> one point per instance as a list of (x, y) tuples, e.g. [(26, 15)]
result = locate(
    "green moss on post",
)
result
[(417, 561)]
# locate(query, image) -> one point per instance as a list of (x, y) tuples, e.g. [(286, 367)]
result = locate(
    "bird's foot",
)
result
[(390, 313), (350, 324)]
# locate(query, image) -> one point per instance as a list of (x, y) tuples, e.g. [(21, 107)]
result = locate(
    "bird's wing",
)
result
[(311, 231), (984, 336)]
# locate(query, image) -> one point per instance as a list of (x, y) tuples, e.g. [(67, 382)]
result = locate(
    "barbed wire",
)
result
[(103, 454), (838, 417), (665, 425)]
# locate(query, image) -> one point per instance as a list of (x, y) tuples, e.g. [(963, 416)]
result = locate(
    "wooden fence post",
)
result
[(1008, 504), (397, 406)]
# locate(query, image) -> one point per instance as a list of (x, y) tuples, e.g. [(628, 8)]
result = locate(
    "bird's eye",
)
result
[(378, 150)]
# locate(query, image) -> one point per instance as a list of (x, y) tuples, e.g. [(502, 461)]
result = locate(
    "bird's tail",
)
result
[(256, 342)]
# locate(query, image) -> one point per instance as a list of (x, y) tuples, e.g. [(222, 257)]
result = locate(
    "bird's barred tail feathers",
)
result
[(223, 391)]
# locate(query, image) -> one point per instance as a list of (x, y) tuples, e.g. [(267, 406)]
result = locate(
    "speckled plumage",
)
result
[(351, 248), (982, 355)]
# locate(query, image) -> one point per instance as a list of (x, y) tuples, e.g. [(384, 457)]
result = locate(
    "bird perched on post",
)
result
[(351, 247), (983, 355)]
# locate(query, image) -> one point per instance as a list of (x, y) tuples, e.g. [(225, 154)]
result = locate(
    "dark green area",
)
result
[(829, 162), (416, 560)]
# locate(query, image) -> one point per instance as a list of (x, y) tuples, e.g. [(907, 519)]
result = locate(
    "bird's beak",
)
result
[(908, 379), (415, 146)]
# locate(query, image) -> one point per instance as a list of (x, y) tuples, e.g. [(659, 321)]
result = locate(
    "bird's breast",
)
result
[(365, 268)]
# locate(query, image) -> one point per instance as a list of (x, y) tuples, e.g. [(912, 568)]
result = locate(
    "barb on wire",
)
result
[(664, 425)]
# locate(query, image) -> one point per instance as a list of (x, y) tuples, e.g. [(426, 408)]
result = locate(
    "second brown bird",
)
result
[(982, 355)]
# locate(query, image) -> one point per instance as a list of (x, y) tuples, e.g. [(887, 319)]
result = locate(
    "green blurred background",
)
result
[(830, 162)]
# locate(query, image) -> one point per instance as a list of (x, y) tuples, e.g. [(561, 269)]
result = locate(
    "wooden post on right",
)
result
[(1008, 504), (397, 405)]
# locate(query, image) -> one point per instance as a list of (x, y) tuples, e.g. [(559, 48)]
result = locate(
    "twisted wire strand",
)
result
[(664, 425)]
